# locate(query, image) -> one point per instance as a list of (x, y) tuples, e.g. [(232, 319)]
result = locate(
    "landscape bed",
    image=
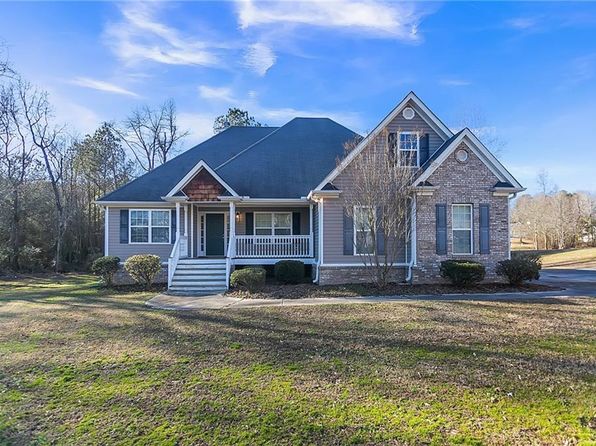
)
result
[(309, 290), (84, 365)]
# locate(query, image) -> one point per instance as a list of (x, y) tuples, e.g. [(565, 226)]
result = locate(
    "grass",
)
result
[(82, 365), (570, 258)]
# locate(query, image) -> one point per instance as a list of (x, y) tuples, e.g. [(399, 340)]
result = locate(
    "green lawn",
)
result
[(79, 365), (570, 258)]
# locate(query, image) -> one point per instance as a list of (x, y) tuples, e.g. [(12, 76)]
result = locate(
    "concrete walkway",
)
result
[(577, 283)]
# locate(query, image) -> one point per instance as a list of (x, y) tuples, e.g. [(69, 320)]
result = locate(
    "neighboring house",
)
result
[(257, 195)]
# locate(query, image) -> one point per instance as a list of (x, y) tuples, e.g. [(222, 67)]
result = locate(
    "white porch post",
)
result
[(232, 249), (106, 230), (177, 221), (192, 229), (186, 224), (310, 233)]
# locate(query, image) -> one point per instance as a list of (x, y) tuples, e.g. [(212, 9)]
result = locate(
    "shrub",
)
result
[(106, 267), (462, 272), (289, 271), (519, 268), (143, 268), (31, 259), (249, 278)]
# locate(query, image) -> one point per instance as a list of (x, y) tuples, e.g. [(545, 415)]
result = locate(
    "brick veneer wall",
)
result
[(461, 183), (203, 187), (335, 275)]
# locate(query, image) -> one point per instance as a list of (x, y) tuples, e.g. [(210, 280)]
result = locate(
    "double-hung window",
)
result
[(461, 225), (273, 223), (364, 218), (150, 226), (409, 144)]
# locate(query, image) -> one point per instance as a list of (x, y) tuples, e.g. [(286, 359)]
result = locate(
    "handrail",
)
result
[(274, 246), (173, 261)]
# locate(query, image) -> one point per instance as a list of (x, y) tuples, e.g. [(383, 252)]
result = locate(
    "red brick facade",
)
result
[(203, 187)]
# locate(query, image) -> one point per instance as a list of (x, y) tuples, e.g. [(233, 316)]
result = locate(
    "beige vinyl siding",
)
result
[(416, 124), (125, 250)]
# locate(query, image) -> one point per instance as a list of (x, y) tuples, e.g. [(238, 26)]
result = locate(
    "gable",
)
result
[(204, 187)]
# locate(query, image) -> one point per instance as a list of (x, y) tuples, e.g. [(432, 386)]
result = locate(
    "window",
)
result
[(461, 222), (149, 226), (409, 143), (273, 223), (363, 236)]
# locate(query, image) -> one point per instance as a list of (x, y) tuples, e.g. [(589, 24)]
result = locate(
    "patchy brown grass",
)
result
[(309, 290), (81, 365)]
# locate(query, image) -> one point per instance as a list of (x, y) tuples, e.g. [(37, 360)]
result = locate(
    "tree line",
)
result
[(555, 219), (50, 177)]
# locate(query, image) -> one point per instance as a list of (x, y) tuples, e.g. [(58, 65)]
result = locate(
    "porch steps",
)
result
[(199, 276)]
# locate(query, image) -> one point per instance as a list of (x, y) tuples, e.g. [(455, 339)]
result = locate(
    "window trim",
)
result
[(471, 229), (355, 230), (399, 149), (149, 227), (272, 227)]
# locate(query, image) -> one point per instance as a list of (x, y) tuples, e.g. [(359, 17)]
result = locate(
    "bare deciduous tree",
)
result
[(151, 134), (475, 119), (48, 139), (380, 205)]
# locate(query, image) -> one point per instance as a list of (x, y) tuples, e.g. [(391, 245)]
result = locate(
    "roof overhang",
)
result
[(480, 150), (431, 118), (506, 191), (320, 194), (133, 203), (190, 175)]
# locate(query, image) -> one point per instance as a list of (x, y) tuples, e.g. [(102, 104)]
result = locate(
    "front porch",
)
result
[(241, 234)]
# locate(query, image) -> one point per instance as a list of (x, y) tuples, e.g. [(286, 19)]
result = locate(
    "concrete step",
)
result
[(192, 275), (206, 266), (196, 290), (196, 283), (202, 261)]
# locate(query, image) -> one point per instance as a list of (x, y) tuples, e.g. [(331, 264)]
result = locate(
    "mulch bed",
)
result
[(309, 290)]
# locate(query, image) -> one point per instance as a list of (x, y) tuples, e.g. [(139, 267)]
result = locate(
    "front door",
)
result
[(214, 237)]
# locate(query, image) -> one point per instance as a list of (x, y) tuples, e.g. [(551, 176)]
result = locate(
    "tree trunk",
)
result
[(15, 239)]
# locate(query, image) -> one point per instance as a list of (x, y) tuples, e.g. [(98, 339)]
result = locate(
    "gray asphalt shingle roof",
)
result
[(260, 162)]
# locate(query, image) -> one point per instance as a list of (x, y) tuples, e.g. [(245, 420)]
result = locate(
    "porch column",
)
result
[(186, 224), (177, 221), (192, 231), (310, 233), (232, 247)]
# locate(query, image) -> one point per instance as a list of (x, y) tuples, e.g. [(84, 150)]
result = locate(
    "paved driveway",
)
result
[(577, 283)]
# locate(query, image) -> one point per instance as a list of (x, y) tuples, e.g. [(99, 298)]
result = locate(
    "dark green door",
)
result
[(215, 235)]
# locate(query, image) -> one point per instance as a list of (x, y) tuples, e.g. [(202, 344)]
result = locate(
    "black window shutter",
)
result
[(296, 223), (250, 225), (424, 148), (484, 229), (392, 144), (173, 226), (348, 234), (379, 232), (441, 223), (123, 225)]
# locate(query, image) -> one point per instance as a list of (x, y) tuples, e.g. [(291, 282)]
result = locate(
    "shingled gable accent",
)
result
[(202, 183)]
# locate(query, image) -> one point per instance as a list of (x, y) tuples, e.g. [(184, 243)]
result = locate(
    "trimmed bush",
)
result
[(289, 271), (250, 279), (462, 272), (143, 268), (520, 268), (106, 267)]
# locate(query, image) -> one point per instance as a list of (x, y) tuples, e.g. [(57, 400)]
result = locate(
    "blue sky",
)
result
[(524, 74)]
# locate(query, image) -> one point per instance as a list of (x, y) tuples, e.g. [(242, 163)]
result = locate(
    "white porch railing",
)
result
[(273, 246), (180, 249)]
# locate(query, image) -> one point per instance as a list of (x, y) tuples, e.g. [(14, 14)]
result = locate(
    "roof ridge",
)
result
[(249, 147)]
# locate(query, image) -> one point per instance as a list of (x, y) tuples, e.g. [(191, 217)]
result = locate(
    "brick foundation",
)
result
[(331, 275)]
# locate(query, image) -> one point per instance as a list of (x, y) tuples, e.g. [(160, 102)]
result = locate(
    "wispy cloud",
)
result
[(583, 68), (141, 36), (216, 93), (453, 82), (259, 58), (275, 115), (373, 17), (96, 84), (522, 23)]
